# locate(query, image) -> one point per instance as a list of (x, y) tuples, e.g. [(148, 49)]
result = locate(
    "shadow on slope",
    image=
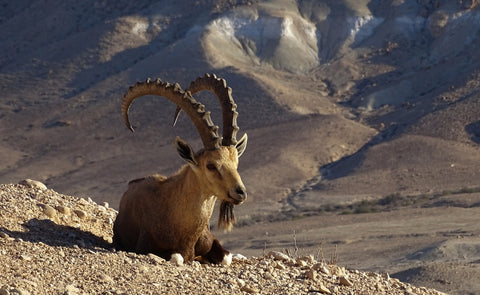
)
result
[(460, 250), (474, 130), (452, 278), (55, 235), (347, 165)]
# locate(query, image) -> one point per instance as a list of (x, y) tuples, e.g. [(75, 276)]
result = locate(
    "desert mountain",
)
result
[(342, 92)]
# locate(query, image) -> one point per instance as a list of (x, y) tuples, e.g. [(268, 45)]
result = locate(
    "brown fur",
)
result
[(163, 215)]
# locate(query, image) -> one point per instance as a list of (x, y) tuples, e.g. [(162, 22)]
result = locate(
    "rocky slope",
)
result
[(56, 244)]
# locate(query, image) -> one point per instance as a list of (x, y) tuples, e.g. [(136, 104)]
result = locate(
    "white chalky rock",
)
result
[(239, 257)]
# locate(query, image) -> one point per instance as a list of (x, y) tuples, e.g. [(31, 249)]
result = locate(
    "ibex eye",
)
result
[(211, 167)]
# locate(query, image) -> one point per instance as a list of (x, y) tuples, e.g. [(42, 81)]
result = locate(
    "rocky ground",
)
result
[(56, 244)]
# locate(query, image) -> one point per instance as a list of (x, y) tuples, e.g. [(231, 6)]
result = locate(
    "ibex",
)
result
[(168, 215)]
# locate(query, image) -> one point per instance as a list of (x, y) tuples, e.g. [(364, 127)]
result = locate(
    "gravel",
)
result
[(56, 244)]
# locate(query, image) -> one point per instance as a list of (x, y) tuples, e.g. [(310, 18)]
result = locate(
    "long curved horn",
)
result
[(224, 95), (184, 100)]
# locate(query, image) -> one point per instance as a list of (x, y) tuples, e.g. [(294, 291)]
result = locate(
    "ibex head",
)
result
[(216, 164)]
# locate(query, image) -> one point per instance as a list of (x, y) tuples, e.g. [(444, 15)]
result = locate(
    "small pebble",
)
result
[(80, 213), (249, 289), (268, 276), (346, 282), (238, 257), (4, 290), (26, 257), (311, 274), (324, 290), (17, 291), (196, 265), (71, 290), (156, 259), (62, 209), (307, 259), (300, 263), (240, 282), (48, 210), (279, 256), (321, 267), (106, 279)]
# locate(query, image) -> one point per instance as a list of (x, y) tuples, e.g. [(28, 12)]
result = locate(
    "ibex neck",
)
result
[(189, 183), (193, 193)]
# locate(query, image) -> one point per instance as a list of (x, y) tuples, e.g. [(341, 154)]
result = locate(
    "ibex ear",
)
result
[(241, 145), (185, 151)]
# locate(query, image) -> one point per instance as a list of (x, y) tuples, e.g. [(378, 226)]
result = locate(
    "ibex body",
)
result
[(167, 215)]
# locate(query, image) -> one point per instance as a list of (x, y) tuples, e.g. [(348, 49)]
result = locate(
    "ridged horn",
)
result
[(229, 109), (184, 100)]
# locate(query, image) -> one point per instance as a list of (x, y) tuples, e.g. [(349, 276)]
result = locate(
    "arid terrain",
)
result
[(56, 244), (362, 116)]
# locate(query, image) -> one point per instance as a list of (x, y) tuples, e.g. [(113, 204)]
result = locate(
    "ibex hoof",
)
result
[(227, 259), (177, 259)]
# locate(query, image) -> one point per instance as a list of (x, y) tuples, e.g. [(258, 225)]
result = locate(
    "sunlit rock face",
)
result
[(292, 38), (256, 37)]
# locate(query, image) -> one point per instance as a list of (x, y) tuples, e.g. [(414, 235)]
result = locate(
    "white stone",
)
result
[(346, 282), (238, 257)]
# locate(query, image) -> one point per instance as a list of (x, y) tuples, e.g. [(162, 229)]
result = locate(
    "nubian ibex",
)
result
[(168, 215)]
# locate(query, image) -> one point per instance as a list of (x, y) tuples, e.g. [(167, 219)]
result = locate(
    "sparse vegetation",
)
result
[(397, 200), (372, 204)]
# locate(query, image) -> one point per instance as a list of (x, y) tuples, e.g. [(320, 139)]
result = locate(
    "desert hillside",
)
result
[(57, 244), (351, 107), (339, 92)]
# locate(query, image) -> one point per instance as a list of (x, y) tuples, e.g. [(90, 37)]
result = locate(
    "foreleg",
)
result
[(210, 250)]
